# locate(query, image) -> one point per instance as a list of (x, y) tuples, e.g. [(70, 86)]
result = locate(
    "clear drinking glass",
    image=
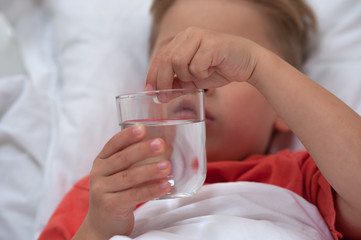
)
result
[(176, 116)]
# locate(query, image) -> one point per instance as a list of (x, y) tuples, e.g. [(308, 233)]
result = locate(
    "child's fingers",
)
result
[(206, 60), (173, 59), (124, 159), (121, 140), (193, 56), (125, 201), (144, 192), (152, 75), (132, 177), (182, 54), (165, 75), (160, 73)]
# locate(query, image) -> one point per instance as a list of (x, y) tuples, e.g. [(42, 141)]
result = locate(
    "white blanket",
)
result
[(240, 210)]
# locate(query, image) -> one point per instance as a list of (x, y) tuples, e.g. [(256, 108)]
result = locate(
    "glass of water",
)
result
[(176, 116)]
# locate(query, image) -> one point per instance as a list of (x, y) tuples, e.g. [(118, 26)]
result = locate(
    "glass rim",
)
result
[(153, 92)]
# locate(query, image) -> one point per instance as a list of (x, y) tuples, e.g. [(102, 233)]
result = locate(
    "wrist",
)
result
[(86, 231), (262, 59)]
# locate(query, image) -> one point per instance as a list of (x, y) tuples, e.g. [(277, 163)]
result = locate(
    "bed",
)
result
[(63, 62)]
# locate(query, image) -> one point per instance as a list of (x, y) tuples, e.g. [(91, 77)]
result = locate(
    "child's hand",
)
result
[(202, 59), (116, 187)]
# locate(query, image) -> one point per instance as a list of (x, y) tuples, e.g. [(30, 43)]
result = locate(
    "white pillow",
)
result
[(336, 57), (24, 118), (101, 51)]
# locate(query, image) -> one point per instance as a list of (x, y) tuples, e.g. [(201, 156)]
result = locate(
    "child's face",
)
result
[(239, 121)]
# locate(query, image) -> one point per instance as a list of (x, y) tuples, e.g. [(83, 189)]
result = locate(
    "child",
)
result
[(236, 50)]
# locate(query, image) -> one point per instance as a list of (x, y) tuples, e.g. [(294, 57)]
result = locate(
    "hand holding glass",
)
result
[(176, 116)]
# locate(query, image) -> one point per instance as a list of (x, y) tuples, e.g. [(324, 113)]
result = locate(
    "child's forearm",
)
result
[(328, 128)]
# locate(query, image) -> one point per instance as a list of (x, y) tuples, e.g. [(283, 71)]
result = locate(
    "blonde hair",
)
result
[(293, 22)]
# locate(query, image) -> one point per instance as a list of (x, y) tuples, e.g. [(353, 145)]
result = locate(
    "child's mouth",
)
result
[(185, 110)]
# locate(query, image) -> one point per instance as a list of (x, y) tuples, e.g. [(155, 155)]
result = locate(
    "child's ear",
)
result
[(280, 125)]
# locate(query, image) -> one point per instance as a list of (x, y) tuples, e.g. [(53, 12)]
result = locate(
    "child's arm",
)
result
[(329, 129), (116, 188)]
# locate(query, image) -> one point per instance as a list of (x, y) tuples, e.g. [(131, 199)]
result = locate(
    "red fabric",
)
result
[(70, 213), (294, 171)]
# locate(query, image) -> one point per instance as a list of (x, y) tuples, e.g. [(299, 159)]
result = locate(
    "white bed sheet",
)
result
[(57, 106), (240, 210)]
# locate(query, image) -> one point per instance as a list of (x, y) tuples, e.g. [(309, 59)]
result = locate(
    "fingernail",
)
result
[(148, 87), (137, 130), (162, 165), (164, 184), (155, 144)]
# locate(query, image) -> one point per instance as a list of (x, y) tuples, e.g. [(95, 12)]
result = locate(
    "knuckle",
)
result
[(125, 176), (165, 59), (211, 44), (197, 32), (121, 157), (125, 158), (196, 71), (96, 187), (96, 171), (203, 74), (178, 60), (192, 30)]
